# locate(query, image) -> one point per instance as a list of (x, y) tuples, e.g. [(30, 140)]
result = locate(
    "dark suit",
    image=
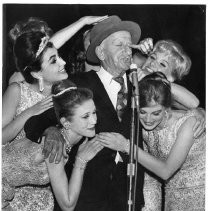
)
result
[(105, 183)]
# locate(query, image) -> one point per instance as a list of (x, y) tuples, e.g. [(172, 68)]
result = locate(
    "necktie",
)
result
[(121, 97)]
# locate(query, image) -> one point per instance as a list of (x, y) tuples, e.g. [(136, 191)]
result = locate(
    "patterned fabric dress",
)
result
[(185, 190), (25, 180)]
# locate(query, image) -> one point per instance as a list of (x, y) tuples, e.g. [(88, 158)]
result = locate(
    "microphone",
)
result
[(134, 79)]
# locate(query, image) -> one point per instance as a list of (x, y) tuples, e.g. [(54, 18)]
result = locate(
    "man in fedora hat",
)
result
[(104, 185), (106, 178)]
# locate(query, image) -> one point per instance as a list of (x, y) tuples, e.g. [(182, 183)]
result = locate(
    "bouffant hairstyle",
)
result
[(182, 62), (25, 51), (155, 88)]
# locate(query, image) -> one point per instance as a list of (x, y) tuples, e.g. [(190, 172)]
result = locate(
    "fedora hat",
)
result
[(107, 27)]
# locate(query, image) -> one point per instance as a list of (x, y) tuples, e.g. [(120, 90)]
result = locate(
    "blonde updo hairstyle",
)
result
[(181, 60)]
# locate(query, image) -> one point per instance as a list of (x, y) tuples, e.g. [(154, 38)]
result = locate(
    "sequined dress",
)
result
[(25, 180), (185, 190)]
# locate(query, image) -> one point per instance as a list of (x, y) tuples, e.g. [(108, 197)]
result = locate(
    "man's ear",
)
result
[(66, 124), (100, 53)]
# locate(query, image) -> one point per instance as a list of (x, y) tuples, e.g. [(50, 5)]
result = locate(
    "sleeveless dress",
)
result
[(185, 190), (25, 179)]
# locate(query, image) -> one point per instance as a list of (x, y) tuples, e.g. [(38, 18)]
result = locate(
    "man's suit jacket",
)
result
[(105, 182)]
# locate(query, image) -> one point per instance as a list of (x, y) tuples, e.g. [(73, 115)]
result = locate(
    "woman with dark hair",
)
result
[(37, 59), (173, 153), (32, 24), (25, 168)]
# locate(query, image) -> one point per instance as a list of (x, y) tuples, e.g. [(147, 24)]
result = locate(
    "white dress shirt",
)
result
[(111, 86)]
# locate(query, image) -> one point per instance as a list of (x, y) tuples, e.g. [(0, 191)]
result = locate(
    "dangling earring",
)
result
[(41, 84), (67, 125)]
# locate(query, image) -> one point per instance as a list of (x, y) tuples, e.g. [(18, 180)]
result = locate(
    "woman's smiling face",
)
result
[(53, 66), (160, 61), (152, 116)]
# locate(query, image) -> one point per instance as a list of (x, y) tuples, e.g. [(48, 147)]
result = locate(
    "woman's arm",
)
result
[(183, 98), (166, 168), (62, 36), (12, 125), (162, 168), (67, 193)]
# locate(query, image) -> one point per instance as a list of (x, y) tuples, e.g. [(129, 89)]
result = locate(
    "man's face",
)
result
[(117, 53)]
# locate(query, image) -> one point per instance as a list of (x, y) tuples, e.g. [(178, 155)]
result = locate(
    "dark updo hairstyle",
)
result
[(25, 49), (30, 24), (66, 103), (155, 87)]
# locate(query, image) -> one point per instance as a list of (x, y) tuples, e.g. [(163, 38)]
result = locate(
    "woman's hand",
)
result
[(114, 141), (145, 46), (41, 106), (93, 19), (88, 149)]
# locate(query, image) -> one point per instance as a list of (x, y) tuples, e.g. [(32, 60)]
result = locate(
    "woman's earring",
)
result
[(67, 125), (41, 84)]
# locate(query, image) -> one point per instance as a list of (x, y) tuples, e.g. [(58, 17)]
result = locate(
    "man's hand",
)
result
[(114, 141), (53, 144), (200, 124)]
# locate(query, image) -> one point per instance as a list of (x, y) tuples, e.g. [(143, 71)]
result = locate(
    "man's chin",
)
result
[(126, 66)]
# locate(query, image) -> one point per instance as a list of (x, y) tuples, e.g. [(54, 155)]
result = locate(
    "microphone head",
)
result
[(133, 66)]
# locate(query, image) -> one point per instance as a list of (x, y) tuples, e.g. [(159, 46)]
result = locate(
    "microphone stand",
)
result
[(134, 135)]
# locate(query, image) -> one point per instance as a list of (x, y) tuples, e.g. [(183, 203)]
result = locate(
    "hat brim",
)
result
[(129, 26)]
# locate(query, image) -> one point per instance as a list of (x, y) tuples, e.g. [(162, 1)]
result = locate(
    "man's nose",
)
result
[(127, 49)]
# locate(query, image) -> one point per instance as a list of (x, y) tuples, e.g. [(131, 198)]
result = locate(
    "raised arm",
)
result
[(183, 98), (67, 193), (62, 36)]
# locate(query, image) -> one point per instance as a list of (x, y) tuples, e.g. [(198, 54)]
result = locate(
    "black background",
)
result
[(185, 24)]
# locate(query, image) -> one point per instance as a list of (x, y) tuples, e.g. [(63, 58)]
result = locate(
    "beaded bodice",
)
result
[(28, 98), (159, 144), (24, 172)]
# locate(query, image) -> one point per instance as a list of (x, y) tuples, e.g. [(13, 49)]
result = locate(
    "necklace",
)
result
[(66, 138)]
